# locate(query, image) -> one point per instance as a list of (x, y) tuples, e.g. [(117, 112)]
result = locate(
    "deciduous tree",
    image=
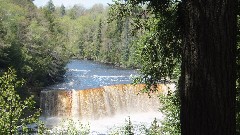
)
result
[(208, 59)]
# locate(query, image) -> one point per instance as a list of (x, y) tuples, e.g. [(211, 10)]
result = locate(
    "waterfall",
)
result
[(97, 103)]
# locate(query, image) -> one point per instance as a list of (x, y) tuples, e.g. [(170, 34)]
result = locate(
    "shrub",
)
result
[(71, 127), (12, 115), (171, 109)]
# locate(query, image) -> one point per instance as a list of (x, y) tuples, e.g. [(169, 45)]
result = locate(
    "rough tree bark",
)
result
[(207, 83)]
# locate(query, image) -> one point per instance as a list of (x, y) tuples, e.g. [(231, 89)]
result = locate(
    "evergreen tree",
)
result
[(98, 40), (50, 6), (62, 10), (126, 41)]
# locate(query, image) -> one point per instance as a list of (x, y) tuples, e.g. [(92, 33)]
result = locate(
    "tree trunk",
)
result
[(207, 83)]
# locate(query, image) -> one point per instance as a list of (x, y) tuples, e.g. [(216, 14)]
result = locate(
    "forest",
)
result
[(154, 37)]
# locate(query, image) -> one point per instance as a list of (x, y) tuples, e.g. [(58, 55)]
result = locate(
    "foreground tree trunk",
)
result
[(207, 84)]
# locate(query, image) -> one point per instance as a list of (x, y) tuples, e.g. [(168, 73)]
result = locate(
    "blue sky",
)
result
[(67, 3)]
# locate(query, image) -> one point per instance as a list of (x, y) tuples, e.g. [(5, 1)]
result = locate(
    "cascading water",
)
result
[(98, 103), (103, 106)]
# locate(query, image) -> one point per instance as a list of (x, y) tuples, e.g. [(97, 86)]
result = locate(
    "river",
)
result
[(82, 74), (100, 95)]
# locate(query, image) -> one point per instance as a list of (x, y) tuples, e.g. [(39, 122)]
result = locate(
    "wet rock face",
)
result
[(98, 103)]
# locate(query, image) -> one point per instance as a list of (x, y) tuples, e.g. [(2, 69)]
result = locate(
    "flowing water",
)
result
[(83, 74), (100, 95)]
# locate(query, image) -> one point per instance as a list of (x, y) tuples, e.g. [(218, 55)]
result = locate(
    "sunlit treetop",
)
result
[(160, 43)]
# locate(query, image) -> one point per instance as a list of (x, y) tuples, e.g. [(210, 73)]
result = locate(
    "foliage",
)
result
[(62, 10), (32, 42), (158, 51), (71, 127), (42, 129), (127, 129), (90, 37), (159, 45), (134, 33), (130, 129), (154, 129), (50, 6), (171, 111), (12, 117)]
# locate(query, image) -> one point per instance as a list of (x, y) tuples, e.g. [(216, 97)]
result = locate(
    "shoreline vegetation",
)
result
[(37, 43)]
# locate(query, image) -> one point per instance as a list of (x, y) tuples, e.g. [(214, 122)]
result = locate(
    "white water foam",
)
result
[(78, 70), (98, 76), (104, 108), (109, 125)]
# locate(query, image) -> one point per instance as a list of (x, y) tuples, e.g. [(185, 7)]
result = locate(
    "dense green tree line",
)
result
[(32, 41), (94, 34), (38, 42), (91, 36)]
